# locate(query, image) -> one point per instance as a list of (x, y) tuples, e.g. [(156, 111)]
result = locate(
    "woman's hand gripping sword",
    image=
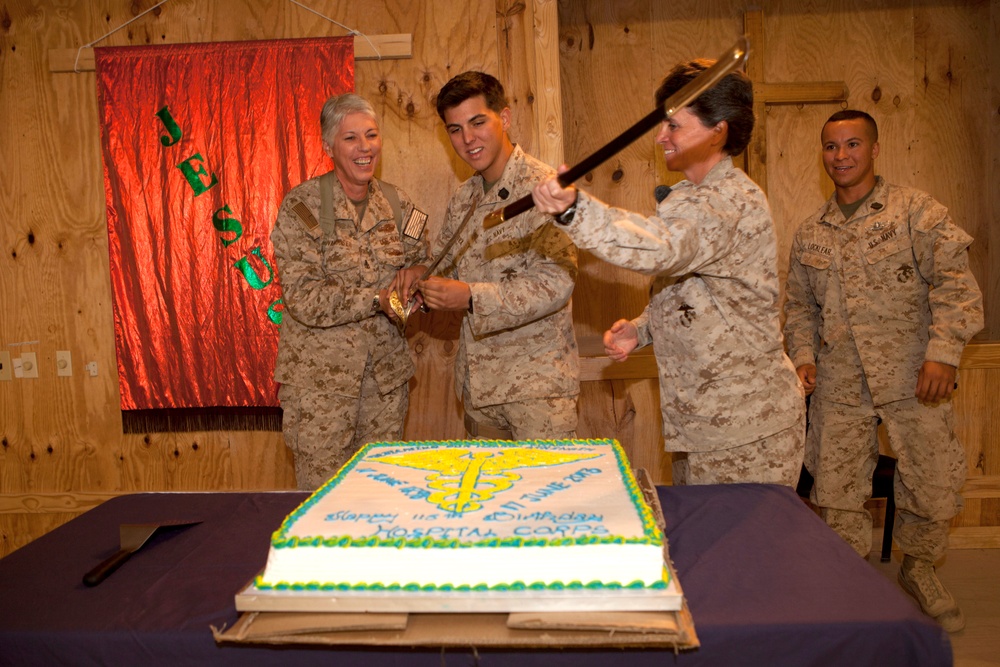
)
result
[(402, 311)]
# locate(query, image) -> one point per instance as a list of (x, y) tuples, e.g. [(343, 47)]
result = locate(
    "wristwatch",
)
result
[(566, 217), (376, 303)]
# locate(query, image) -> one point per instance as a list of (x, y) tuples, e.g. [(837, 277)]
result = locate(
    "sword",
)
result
[(726, 63), (395, 303)]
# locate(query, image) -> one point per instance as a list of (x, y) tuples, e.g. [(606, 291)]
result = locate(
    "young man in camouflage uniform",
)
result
[(517, 369), (881, 303), (733, 409), (339, 241)]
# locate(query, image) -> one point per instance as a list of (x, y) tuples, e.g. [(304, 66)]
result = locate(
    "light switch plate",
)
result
[(64, 363), (29, 365)]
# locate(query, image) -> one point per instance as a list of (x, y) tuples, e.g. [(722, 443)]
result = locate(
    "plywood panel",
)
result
[(628, 411), (435, 412), (950, 76), (192, 461), (990, 282), (606, 66), (977, 425), (516, 62)]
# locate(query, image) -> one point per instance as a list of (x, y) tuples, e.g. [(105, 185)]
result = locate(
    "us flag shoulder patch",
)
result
[(414, 226), (305, 215)]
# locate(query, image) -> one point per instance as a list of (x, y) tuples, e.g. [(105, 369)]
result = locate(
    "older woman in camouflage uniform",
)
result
[(339, 241), (732, 406)]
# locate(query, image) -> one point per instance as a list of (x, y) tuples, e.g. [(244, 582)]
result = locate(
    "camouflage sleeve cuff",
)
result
[(566, 217), (574, 218), (803, 358), (944, 352), (641, 324)]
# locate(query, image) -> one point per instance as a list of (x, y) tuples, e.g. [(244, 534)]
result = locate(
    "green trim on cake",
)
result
[(260, 584)]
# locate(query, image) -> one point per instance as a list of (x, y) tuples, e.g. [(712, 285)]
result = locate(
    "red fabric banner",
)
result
[(200, 143)]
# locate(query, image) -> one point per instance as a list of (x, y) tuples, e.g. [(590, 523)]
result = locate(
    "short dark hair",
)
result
[(855, 114), (730, 100), (469, 84)]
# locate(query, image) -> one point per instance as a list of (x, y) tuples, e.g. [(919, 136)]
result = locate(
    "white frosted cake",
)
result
[(472, 515)]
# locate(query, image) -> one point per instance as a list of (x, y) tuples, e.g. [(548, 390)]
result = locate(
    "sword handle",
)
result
[(589, 163)]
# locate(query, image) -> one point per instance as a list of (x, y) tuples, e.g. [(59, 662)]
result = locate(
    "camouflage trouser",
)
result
[(841, 454), (537, 419), (325, 430), (776, 459)]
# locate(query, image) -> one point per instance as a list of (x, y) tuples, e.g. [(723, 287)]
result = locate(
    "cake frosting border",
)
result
[(651, 532)]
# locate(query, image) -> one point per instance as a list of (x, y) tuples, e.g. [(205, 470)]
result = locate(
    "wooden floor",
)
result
[(973, 577)]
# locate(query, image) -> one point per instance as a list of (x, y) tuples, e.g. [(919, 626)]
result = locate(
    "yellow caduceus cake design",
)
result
[(462, 478)]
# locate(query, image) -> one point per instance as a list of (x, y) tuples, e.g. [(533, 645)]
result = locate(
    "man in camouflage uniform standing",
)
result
[(733, 409), (881, 303), (339, 241), (517, 369)]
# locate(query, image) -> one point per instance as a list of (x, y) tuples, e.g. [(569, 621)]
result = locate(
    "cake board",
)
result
[(479, 620)]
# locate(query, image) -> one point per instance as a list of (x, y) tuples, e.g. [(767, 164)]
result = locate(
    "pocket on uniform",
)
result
[(340, 249), (882, 246), (815, 260), (388, 249)]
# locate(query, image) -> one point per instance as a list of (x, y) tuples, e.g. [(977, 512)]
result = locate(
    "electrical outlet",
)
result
[(6, 367), (92, 369), (64, 363), (29, 365)]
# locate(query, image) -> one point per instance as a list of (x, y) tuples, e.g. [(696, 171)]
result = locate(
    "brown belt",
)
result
[(485, 431)]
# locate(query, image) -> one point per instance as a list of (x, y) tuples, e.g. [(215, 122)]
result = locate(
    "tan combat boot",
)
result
[(917, 577)]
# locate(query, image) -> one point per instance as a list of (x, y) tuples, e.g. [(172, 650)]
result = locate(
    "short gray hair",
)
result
[(339, 107)]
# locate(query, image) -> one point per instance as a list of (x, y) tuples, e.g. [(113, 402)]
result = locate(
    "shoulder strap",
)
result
[(389, 190), (326, 218)]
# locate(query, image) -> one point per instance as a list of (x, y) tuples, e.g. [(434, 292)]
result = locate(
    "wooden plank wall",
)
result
[(61, 446)]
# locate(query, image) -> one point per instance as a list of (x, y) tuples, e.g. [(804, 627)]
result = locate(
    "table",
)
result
[(766, 581)]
